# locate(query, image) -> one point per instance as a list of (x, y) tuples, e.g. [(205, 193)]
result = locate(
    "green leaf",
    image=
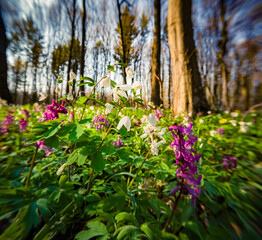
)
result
[(62, 98), (112, 83), (72, 158), (98, 162), (111, 68), (125, 230), (52, 131), (122, 64), (76, 133), (81, 100), (87, 83), (52, 142), (99, 102), (96, 229), (126, 217), (81, 159)]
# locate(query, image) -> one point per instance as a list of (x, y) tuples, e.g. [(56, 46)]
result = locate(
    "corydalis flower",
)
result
[(129, 72), (100, 122), (52, 111), (43, 96), (125, 121), (229, 162), (26, 113), (22, 124), (41, 145), (7, 122), (186, 159), (158, 114), (118, 143), (220, 131)]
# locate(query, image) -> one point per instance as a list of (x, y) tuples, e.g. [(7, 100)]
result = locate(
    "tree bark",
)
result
[(82, 67), (4, 91), (188, 93), (155, 78), (122, 38), (71, 44)]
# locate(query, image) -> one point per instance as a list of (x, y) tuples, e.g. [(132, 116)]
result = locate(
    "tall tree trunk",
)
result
[(82, 67), (221, 55), (34, 94), (4, 91), (71, 44), (122, 39), (188, 93), (155, 78)]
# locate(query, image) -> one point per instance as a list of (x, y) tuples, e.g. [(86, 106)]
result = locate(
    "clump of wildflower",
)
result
[(158, 114), (186, 159), (52, 111), (229, 162), (26, 113), (22, 124), (7, 122), (223, 120), (41, 145), (100, 122), (220, 131), (118, 143)]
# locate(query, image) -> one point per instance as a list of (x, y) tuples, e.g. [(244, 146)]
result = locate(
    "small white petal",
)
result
[(43, 96), (152, 119), (72, 76), (70, 97), (125, 87), (60, 170)]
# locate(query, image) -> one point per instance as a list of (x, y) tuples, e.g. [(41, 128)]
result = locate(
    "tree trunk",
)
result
[(188, 93), (122, 39), (155, 78), (82, 67), (4, 91), (71, 44)]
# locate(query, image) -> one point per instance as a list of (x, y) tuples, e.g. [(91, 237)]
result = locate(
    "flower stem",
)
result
[(92, 173), (129, 186), (172, 212), (31, 167)]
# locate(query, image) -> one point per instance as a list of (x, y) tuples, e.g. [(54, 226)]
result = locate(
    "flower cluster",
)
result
[(118, 143), (22, 124), (41, 145), (158, 114), (26, 113), (229, 162), (186, 159), (52, 111), (9, 120), (100, 122), (152, 130)]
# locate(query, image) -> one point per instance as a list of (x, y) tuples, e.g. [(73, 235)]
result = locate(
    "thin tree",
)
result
[(156, 78)]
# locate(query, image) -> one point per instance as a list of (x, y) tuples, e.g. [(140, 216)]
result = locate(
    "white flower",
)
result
[(70, 96), (242, 123), (243, 128), (226, 112), (144, 119), (200, 139), (120, 90), (209, 112), (89, 125), (129, 72), (109, 108), (92, 108), (152, 119), (155, 145), (249, 123), (233, 122), (72, 76), (201, 145), (213, 133), (136, 85), (60, 170), (190, 114), (57, 90), (43, 96), (106, 82), (125, 121), (201, 120), (234, 114)]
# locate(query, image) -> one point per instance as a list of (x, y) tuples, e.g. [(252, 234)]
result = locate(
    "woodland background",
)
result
[(188, 55)]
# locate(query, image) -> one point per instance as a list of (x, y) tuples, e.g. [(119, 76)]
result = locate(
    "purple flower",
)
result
[(41, 145), (186, 159), (119, 142), (7, 122), (158, 114), (229, 162), (220, 131), (22, 124), (52, 111), (100, 122), (26, 113)]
